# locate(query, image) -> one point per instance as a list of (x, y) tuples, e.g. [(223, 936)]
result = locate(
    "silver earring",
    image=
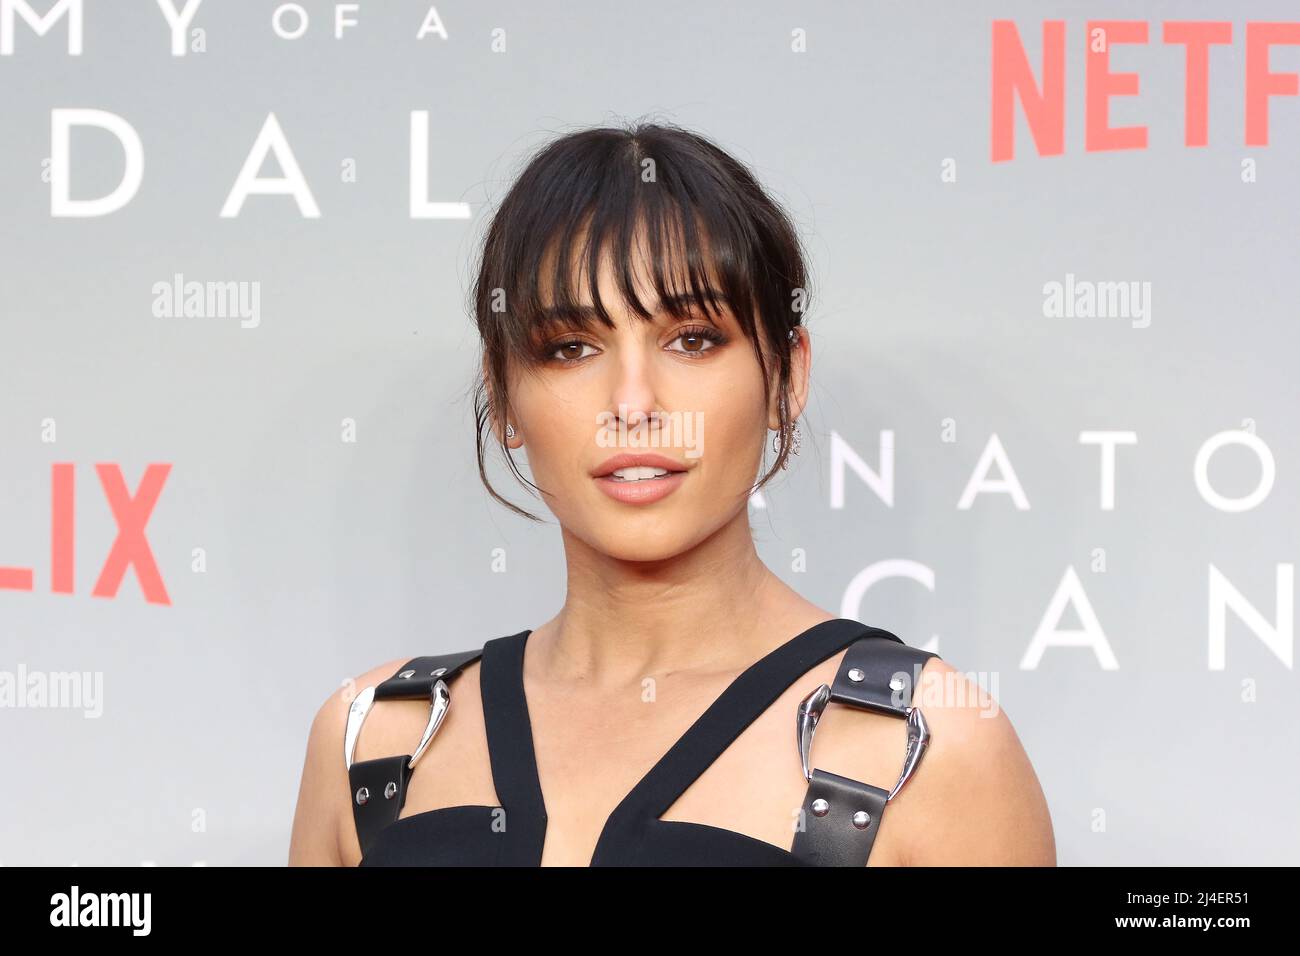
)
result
[(794, 445), (510, 430), (794, 440)]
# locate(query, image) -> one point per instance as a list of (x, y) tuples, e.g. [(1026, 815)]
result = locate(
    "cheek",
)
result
[(559, 426), (555, 430), (732, 421)]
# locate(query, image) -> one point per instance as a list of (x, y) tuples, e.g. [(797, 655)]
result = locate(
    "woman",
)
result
[(640, 295)]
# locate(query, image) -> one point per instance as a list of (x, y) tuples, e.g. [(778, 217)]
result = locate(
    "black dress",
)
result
[(840, 819)]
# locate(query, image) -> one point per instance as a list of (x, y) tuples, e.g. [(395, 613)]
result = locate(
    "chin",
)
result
[(644, 540)]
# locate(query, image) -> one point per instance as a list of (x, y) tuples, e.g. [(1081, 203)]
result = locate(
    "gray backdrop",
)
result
[(293, 558)]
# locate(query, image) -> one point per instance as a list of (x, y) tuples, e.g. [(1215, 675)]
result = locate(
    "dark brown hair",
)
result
[(698, 206)]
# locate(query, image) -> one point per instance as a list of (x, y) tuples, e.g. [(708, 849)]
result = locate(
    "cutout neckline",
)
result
[(512, 752)]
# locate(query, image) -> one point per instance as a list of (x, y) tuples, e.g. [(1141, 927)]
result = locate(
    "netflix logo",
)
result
[(1043, 98), (130, 548)]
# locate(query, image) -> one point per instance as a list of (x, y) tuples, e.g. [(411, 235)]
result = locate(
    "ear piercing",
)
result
[(794, 438)]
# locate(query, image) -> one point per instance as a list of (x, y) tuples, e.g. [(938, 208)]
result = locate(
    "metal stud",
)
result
[(857, 675), (438, 673), (820, 807), (390, 791), (862, 819), (406, 674), (897, 683), (363, 796)]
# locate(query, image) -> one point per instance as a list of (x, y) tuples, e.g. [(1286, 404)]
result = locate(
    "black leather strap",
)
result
[(378, 786), (415, 678), (868, 668), (378, 795), (830, 835), (842, 816)]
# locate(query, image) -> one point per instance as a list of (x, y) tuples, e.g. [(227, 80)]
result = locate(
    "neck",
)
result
[(716, 606)]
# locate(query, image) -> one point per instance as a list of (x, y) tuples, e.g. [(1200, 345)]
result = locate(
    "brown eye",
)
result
[(568, 352), (697, 341)]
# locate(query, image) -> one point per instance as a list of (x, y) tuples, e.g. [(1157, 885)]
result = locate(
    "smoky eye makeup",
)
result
[(547, 349), (708, 333), (554, 332)]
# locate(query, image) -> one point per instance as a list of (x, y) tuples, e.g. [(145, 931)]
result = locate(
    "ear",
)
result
[(800, 374), (496, 421)]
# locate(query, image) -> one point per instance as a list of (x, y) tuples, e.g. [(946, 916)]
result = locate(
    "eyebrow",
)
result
[(555, 315)]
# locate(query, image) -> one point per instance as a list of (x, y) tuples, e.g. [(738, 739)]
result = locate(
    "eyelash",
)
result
[(700, 331)]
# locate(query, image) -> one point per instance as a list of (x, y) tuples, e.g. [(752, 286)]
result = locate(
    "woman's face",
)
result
[(595, 396)]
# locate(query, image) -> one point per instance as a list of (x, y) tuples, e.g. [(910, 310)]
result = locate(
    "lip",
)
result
[(641, 492), (625, 460)]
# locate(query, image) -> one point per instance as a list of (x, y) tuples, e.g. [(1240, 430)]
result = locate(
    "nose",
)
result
[(633, 398)]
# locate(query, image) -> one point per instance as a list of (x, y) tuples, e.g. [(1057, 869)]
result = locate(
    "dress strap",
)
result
[(744, 700), (510, 745), (840, 816), (378, 786)]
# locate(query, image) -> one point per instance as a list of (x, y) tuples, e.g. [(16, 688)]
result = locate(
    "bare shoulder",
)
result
[(323, 811), (975, 799)]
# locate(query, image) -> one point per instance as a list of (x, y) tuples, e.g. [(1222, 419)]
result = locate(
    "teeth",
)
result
[(638, 474)]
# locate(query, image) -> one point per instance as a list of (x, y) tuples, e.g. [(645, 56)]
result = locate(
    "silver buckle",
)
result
[(356, 717), (810, 712), (439, 702)]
